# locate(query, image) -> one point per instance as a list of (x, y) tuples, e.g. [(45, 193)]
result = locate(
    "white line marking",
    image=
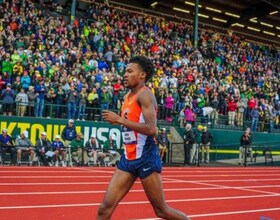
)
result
[(137, 202), (91, 175), (82, 170), (131, 191), (221, 213)]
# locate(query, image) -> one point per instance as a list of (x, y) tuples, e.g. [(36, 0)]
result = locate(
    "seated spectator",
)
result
[(43, 145), (23, 144), (77, 146), (110, 150), (93, 149), (162, 140), (59, 150), (6, 146)]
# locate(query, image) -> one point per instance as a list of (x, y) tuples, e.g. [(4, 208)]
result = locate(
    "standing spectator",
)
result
[(189, 140), (58, 149), (23, 144), (82, 104), (160, 97), (31, 100), (254, 115), (60, 96), (93, 104), (231, 106), (40, 90), (77, 146), (242, 104), (206, 139), (215, 104), (43, 145), (189, 115), (25, 81), (6, 146), (71, 100), (117, 88), (245, 145), (169, 102), (110, 149), (162, 140), (105, 98), (8, 95), (69, 133), (196, 146), (21, 102)]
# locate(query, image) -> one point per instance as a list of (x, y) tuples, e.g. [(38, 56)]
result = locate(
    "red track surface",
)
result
[(43, 193)]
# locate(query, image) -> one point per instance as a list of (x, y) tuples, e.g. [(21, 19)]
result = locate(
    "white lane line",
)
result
[(131, 191), (139, 202), (92, 175), (222, 213), (137, 182), (102, 169), (52, 177), (229, 187)]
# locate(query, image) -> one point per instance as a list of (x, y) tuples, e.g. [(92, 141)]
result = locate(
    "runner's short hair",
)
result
[(146, 64)]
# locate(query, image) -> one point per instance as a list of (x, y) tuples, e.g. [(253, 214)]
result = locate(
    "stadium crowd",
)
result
[(79, 67)]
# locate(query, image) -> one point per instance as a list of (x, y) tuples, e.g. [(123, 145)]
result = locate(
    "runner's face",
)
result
[(133, 75)]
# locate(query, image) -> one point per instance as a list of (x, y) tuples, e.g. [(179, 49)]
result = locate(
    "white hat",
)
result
[(164, 129), (93, 136), (188, 127), (25, 133), (113, 136), (57, 136), (44, 133), (4, 130), (70, 121)]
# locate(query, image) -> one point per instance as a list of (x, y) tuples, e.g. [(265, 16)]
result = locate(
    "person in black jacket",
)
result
[(245, 144), (162, 140), (43, 145), (206, 139), (189, 140)]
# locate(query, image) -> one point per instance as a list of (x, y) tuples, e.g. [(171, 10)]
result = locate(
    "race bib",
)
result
[(128, 137)]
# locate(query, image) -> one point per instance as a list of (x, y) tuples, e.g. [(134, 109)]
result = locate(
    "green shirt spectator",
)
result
[(78, 142), (110, 144)]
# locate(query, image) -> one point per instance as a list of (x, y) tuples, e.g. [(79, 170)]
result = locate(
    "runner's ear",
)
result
[(143, 75)]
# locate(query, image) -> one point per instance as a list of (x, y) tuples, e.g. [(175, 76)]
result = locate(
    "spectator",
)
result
[(8, 95), (215, 104), (255, 115), (169, 102), (93, 104), (40, 90), (94, 150), (245, 145), (43, 145), (71, 100), (23, 144), (197, 144), (206, 139), (21, 102), (242, 105), (110, 150), (189, 140), (7, 146), (59, 150), (60, 97), (163, 141), (82, 104), (105, 98), (31, 100), (69, 133), (231, 106), (77, 146)]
